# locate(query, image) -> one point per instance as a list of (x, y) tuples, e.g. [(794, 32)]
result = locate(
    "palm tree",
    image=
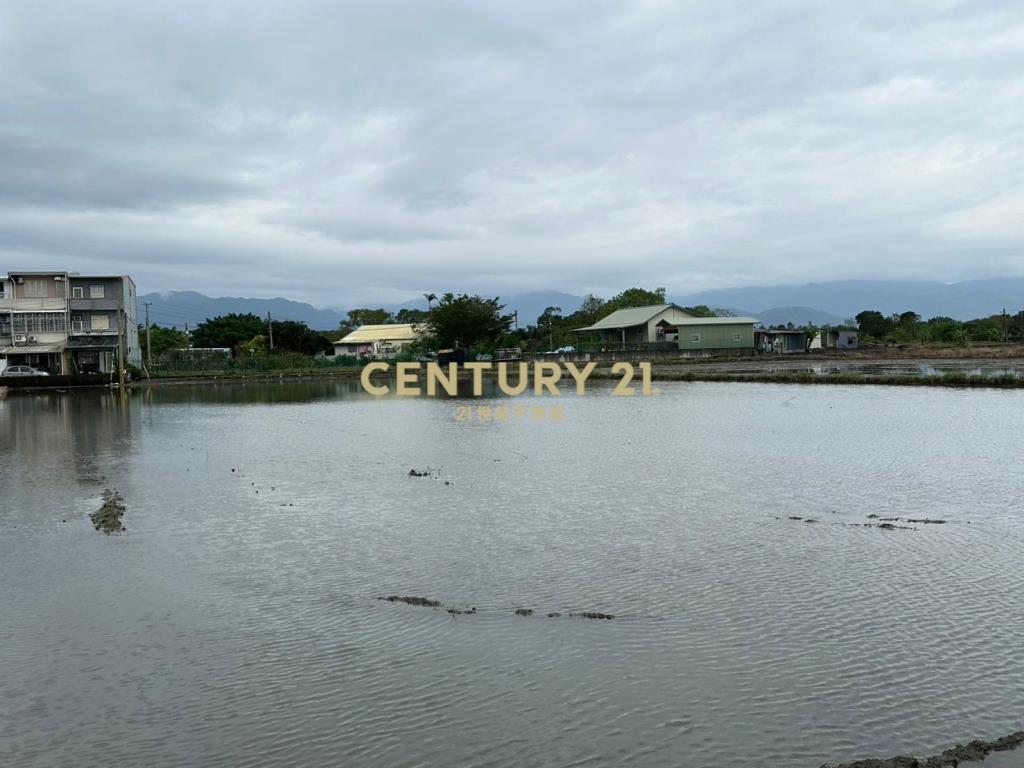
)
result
[(430, 297)]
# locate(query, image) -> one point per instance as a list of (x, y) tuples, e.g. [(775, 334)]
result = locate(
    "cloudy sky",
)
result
[(346, 152)]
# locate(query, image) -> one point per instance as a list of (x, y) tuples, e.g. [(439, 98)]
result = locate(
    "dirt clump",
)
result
[(425, 602), (950, 758), (108, 517)]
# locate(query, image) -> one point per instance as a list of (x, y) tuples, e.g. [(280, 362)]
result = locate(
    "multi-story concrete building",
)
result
[(104, 323), (62, 322)]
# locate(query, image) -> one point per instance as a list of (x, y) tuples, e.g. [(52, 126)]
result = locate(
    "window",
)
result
[(736, 337), (77, 292), (100, 323), (3, 285), (95, 291), (39, 322), (76, 323), (35, 288), (695, 338)]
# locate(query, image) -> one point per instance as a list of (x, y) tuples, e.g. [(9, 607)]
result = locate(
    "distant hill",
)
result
[(794, 315), (530, 306), (845, 298), (180, 307), (820, 303)]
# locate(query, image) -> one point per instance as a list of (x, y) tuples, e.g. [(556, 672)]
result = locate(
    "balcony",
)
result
[(79, 328), (89, 305), (40, 305)]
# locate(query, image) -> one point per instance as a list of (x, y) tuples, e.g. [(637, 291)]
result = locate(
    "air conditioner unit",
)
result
[(20, 339), (59, 278)]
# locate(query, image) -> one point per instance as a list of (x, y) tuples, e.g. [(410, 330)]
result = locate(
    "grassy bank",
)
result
[(954, 380)]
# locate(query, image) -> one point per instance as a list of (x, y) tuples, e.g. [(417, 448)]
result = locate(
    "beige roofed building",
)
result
[(378, 340)]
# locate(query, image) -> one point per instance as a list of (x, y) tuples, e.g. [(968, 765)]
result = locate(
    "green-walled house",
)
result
[(669, 326)]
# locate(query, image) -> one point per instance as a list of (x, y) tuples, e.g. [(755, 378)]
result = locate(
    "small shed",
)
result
[(842, 340), (785, 341)]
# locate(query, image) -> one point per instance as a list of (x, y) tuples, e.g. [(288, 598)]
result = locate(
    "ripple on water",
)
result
[(230, 627)]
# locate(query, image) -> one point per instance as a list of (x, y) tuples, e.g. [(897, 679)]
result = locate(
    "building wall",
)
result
[(717, 336), (118, 305), (131, 313), (669, 315), (30, 288)]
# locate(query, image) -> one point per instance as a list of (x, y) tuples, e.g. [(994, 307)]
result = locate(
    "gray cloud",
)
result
[(342, 153)]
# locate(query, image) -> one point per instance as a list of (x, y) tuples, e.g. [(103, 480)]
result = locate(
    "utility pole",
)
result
[(149, 348), (270, 330), (122, 346)]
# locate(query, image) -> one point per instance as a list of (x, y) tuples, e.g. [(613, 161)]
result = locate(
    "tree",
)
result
[(365, 316), (811, 331), (293, 336), (162, 340), (637, 297), (227, 330), (874, 324), (702, 310), (412, 316), (431, 298), (467, 321)]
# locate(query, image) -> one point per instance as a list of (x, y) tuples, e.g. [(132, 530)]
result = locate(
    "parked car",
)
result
[(22, 370), (566, 350)]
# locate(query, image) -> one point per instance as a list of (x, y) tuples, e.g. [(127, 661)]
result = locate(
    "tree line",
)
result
[(910, 328), (481, 324), (243, 334)]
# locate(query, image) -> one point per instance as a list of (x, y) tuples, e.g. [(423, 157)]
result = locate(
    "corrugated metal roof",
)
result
[(627, 318), (32, 349), (366, 334), (714, 321)]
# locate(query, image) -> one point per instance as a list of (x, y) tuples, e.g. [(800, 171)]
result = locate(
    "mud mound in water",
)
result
[(108, 517), (950, 758), (425, 602)]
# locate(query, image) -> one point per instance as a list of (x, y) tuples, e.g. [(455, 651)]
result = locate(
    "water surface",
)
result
[(235, 622)]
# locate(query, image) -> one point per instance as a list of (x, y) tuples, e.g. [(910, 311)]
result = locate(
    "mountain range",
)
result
[(819, 303), (176, 308)]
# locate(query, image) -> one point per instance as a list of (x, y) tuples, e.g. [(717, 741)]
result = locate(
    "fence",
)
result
[(185, 364)]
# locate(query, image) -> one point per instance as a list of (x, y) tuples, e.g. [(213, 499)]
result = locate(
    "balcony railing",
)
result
[(40, 305)]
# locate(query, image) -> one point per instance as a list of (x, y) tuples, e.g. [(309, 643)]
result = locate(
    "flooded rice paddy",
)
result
[(237, 620)]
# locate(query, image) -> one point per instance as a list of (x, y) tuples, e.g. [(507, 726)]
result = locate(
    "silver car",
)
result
[(22, 370)]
